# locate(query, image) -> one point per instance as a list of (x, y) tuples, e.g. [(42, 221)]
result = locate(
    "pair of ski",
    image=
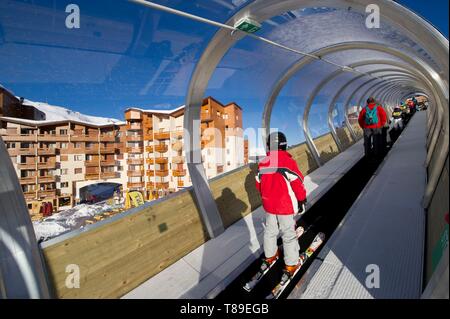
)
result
[(285, 280)]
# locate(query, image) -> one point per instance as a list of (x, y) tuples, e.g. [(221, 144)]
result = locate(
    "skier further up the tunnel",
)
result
[(283, 194), (372, 119)]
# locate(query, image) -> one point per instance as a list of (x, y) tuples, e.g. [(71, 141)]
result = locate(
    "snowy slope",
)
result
[(58, 113)]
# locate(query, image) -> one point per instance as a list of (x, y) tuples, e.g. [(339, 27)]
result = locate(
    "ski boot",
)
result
[(290, 271), (267, 262)]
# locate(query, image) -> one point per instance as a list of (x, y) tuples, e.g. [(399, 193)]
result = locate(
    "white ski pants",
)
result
[(286, 225)]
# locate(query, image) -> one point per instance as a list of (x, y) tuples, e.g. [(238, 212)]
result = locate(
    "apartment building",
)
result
[(155, 147), (55, 159)]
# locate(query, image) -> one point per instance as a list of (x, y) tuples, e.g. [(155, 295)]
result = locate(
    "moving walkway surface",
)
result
[(383, 233)]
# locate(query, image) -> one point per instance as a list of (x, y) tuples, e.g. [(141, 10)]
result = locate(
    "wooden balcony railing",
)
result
[(134, 138), (46, 165), (149, 149), (46, 151), (162, 135), (84, 138), (162, 173), (47, 193), (136, 173), (107, 175), (28, 180), (161, 160), (134, 150), (161, 148), (136, 184), (46, 179), (27, 166), (135, 161), (179, 173), (178, 159), (150, 160), (19, 138)]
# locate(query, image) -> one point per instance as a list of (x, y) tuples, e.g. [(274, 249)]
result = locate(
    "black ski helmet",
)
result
[(276, 141)]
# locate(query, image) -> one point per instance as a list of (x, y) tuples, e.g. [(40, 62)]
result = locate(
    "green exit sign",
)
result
[(248, 25)]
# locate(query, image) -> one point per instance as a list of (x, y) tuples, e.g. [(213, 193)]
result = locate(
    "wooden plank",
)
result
[(117, 257), (327, 147), (236, 195)]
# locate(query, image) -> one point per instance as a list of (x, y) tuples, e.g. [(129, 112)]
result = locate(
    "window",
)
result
[(64, 145), (228, 163), (228, 151), (64, 171), (78, 145), (78, 158), (63, 132), (64, 184), (78, 170)]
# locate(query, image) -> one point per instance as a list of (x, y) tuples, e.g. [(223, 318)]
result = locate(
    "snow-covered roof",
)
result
[(58, 113), (156, 111), (55, 122)]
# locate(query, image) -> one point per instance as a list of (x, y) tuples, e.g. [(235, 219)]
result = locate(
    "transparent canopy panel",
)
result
[(290, 105), (313, 28), (246, 75), (123, 54)]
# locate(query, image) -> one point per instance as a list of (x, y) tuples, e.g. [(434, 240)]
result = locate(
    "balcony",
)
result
[(109, 162), (107, 175), (46, 151), (28, 180), (136, 173), (29, 195), (135, 161), (91, 176), (134, 126), (27, 166), (47, 165), (91, 150), (150, 160), (161, 148), (107, 138), (206, 117), (179, 172), (136, 184), (134, 138), (162, 173), (27, 151), (19, 138), (178, 159), (84, 138), (135, 150), (46, 179), (107, 150), (161, 160), (162, 135), (49, 193), (52, 138), (162, 185), (91, 163), (180, 184), (150, 172), (149, 149), (148, 136)]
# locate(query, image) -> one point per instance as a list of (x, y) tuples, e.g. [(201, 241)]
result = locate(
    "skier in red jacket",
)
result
[(283, 194), (372, 119)]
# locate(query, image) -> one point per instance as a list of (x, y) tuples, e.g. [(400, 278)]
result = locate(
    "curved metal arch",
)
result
[(333, 103), (421, 67), (375, 88), (321, 85), (265, 9), (343, 88)]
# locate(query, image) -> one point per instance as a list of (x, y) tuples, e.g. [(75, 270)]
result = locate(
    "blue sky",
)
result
[(127, 55)]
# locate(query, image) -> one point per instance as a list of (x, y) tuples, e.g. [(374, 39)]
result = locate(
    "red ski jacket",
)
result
[(280, 183), (382, 117)]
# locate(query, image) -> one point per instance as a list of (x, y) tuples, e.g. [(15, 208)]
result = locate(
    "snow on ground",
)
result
[(70, 219), (58, 113)]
